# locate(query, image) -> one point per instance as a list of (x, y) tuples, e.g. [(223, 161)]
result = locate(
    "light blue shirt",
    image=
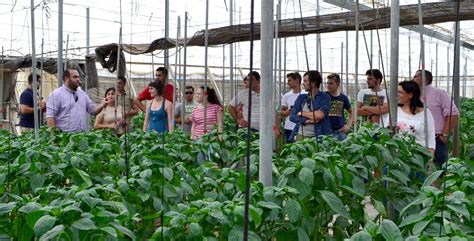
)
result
[(69, 115)]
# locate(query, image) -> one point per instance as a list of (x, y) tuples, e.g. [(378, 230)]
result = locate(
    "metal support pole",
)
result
[(67, 48), (347, 66), (456, 83), (178, 30), (356, 67), (184, 60), (60, 44), (279, 59), (409, 57), (464, 78), (394, 33), (318, 44), (266, 115), (422, 62), (167, 30), (436, 74), (342, 67), (88, 33), (231, 53), (223, 75), (2, 86), (284, 65), (206, 46), (33, 71), (448, 70)]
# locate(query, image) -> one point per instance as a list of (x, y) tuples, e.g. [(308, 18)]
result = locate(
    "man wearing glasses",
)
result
[(188, 109), (160, 75), (68, 105), (310, 112)]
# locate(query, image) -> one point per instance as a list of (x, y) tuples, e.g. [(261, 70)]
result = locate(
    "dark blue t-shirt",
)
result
[(26, 98), (336, 113)]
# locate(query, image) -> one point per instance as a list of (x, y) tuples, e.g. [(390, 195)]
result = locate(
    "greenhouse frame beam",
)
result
[(351, 5)]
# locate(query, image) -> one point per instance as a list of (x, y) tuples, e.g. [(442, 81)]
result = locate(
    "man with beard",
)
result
[(68, 105), (372, 102)]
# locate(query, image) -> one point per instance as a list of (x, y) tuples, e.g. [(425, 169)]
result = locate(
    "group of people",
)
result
[(308, 113), (312, 113), (68, 107)]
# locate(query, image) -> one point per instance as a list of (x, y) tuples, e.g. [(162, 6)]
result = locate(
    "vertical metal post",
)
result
[(342, 67), (464, 78), (275, 69), (206, 43), (347, 66), (284, 65), (266, 116), (223, 75), (60, 44), (67, 48), (33, 71), (231, 52), (394, 33), (167, 30), (456, 83), (178, 30), (422, 62), (279, 58), (448, 70), (2, 86), (184, 59), (318, 44), (356, 68), (409, 56), (436, 74), (88, 33)]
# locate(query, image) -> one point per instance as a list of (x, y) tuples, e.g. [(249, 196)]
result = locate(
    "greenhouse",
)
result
[(236, 120)]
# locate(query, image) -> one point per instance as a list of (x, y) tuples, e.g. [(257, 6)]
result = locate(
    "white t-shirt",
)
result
[(415, 125), (368, 97), (288, 100), (242, 98)]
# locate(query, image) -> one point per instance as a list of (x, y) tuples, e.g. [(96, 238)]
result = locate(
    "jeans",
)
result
[(287, 136), (441, 153), (339, 135)]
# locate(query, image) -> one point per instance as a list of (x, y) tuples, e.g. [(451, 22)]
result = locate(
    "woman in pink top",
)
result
[(214, 113)]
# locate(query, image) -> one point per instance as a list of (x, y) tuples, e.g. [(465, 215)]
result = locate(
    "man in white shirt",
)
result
[(288, 100), (372, 103), (242, 100)]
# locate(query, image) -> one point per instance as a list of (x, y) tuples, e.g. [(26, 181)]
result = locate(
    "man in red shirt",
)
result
[(160, 75)]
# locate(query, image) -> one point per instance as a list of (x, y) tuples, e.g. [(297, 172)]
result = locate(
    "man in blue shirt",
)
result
[(339, 103), (310, 112), (27, 116)]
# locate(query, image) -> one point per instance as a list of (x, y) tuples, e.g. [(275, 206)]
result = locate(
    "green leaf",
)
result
[(302, 235), (84, 224), (411, 219), (373, 162), (420, 226), (379, 207), (460, 209), (401, 176), (237, 234), (195, 229), (7, 207), (335, 203), (432, 178), (361, 236), (255, 215), (30, 207), (269, 205), (37, 180), (167, 173), (44, 224), (306, 176), (308, 163), (53, 233), (123, 230), (293, 210), (87, 182), (390, 231), (110, 231), (289, 170)]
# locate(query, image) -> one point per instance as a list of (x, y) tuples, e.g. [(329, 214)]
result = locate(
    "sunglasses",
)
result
[(189, 93), (308, 102), (75, 96)]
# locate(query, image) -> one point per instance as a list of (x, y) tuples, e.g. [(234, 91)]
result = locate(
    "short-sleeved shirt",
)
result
[(69, 109), (26, 98), (145, 94), (288, 100), (368, 97), (197, 117), (187, 113), (415, 125), (242, 98), (336, 113), (439, 103)]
